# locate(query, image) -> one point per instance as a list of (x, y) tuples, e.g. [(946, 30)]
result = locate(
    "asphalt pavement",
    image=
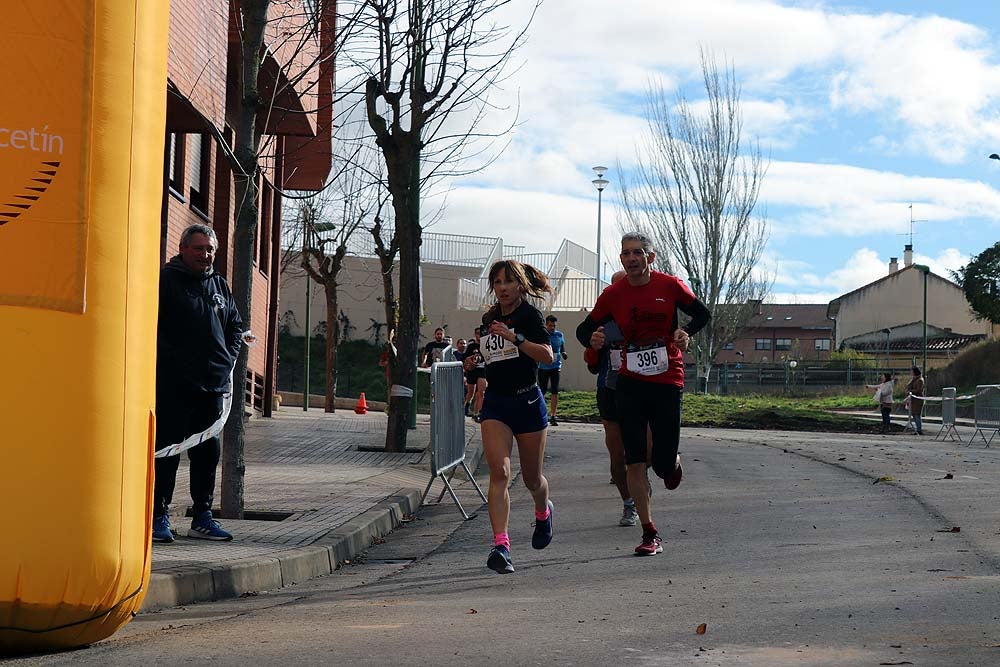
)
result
[(780, 549)]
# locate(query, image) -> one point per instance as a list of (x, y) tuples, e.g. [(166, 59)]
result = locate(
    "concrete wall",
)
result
[(361, 288)]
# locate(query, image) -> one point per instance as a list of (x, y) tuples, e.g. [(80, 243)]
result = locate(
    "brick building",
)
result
[(297, 76), (779, 331)]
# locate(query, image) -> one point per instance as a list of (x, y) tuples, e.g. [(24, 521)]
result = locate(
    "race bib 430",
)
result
[(496, 348)]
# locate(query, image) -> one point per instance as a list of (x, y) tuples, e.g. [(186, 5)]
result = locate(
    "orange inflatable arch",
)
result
[(81, 177)]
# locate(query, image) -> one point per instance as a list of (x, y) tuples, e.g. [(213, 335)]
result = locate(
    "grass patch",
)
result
[(750, 412)]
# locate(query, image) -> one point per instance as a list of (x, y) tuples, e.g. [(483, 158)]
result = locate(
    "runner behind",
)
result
[(605, 364), (548, 374), (475, 376), (514, 340), (651, 377)]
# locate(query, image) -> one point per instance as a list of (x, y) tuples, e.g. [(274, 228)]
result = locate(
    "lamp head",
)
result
[(600, 171)]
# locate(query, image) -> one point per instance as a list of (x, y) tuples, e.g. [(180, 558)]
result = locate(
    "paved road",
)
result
[(787, 560)]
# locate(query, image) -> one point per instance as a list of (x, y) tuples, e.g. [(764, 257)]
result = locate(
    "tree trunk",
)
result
[(246, 144), (233, 464), (408, 328), (332, 342)]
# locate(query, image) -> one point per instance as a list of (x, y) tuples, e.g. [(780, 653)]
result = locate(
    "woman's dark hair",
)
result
[(886, 376), (534, 282), (916, 371)]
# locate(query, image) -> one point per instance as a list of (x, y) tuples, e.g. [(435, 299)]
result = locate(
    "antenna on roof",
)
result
[(910, 233)]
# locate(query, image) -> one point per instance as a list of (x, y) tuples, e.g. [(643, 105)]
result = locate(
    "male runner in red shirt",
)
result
[(651, 375)]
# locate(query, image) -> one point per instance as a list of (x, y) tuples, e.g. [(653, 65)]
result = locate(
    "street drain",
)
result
[(389, 561), (251, 515)]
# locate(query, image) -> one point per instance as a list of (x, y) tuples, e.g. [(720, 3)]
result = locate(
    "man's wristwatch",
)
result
[(518, 339)]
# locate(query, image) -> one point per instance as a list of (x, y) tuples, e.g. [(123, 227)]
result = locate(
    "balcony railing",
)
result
[(568, 294)]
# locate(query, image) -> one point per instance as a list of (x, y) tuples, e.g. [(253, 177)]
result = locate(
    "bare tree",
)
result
[(694, 193), (327, 236), (423, 71)]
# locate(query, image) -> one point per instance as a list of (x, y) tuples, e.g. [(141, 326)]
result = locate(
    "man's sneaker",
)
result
[(543, 530), (650, 546), (552, 421), (674, 480), (204, 527), (162, 530), (499, 560), (629, 516)]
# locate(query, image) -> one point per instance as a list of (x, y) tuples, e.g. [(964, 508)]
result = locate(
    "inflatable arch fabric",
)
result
[(81, 155)]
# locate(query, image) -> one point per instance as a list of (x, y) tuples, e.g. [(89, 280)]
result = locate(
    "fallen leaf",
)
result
[(953, 529), (701, 629), (948, 476), (884, 478), (472, 611)]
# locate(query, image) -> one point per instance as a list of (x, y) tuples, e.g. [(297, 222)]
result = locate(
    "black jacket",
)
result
[(199, 330)]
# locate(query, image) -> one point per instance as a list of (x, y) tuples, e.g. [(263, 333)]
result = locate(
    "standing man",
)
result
[(434, 349), (199, 335), (548, 374), (651, 375)]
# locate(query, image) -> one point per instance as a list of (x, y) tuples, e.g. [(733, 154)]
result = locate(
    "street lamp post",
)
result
[(924, 269), (600, 183), (887, 333)]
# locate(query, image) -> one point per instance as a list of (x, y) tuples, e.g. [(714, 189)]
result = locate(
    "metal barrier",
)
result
[(948, 415), (448, 429), (987, 412)]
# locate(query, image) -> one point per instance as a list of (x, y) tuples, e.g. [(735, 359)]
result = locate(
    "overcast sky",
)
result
[(863, 107)]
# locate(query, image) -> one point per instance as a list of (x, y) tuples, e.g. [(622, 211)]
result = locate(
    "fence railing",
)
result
[(448, 429), (567, 294), (987, 412)]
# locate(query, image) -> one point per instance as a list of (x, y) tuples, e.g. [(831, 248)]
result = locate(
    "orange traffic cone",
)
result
[(362, 407)]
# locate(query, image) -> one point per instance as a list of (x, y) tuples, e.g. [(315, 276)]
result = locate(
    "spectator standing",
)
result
[(883, 396), (199, 335)]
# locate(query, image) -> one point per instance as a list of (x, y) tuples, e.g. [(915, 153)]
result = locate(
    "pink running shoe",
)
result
[(650, 546)]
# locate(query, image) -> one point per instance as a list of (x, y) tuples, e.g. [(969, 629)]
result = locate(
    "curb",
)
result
[(250, 575)]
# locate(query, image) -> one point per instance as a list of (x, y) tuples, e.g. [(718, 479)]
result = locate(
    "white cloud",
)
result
[(846, 200), (864, 266)]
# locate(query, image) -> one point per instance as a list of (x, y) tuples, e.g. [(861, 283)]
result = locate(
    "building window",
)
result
[(201, 153), (729, 346), (822, 344), (762, 344), (176, 167), (783, 344)]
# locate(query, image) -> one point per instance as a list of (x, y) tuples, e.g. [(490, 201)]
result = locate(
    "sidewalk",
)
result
[(312, 500)]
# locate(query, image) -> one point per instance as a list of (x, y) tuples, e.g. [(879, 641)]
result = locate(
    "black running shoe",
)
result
[(543, 531), (499, 560), (552, 421)]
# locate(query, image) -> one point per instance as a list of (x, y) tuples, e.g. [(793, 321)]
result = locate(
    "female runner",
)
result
[(514, 340)]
